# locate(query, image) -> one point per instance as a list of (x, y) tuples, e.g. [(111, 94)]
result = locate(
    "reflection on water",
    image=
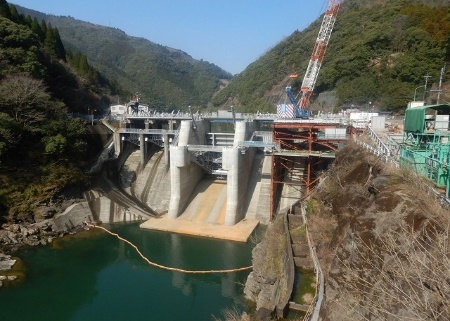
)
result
[(100, 278)]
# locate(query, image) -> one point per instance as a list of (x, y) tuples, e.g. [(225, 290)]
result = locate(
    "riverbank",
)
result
[(15, 237)]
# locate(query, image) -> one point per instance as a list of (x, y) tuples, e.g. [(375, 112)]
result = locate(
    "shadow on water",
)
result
[(94, 276), (55, 280)]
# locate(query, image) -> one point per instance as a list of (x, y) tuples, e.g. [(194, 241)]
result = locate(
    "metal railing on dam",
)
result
[(204, 148), (199, 116), (217, 116), (146, 131)]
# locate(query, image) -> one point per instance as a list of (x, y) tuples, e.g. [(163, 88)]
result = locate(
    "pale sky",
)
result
[(231, 34)]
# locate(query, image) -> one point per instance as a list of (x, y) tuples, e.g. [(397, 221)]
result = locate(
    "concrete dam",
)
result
[(197, 178), (189, 174)]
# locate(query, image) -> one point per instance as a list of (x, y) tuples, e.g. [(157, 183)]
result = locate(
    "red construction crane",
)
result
[(317, 56)]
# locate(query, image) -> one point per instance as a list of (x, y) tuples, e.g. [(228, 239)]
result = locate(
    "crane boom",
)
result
[(318, 53)]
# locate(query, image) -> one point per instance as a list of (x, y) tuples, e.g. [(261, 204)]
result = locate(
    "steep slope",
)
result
[(164, 77), (42, 151), (378, 54), (382, 240)]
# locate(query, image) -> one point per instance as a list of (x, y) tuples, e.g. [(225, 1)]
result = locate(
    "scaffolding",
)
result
[(303, 152)]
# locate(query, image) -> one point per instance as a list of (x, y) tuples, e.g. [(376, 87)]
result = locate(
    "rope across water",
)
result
[(168, 268)]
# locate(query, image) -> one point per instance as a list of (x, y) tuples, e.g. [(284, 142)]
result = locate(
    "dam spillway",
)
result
[(208, 203), (223, 178)]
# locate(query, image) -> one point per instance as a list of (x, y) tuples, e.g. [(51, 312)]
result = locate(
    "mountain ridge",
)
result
[(165, 78), (378, 54), (408, 38)]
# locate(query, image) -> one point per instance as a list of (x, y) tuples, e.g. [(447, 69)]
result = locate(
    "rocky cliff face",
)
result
[(385, 249), (267, 283)]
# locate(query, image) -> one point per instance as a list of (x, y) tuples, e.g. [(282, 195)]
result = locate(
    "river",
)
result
[(94, 276)]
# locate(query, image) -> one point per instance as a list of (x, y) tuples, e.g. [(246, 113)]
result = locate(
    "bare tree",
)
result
[(26, 100), (405, 276)]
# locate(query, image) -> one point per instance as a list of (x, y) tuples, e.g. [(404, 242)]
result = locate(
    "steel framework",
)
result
[(302, 153)]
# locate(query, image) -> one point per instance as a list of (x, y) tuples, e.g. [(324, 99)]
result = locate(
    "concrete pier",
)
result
[(184, 176)]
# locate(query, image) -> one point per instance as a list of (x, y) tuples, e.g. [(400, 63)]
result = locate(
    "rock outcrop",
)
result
[(13, 236), (388, 256), (268, 285)]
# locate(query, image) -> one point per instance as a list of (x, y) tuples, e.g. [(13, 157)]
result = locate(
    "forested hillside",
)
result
[(165, 78), (378, 54), (41, 149)]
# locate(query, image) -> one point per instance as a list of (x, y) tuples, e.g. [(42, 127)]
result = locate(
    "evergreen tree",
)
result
[(15, 16), (49, 42), (36, 28), (44, 27), (53, 43), (28, 21), (4, 10), (59, 47)]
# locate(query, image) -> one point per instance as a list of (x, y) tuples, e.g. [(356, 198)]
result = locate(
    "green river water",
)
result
[(94, 276)]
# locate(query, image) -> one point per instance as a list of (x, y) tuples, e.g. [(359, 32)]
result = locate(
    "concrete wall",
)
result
[(263, 209), (258, 198), (243, 131), (117, 144), (190, 136), (152, 185), (238, 166), (240, 132), (73, 216), (184, 176)]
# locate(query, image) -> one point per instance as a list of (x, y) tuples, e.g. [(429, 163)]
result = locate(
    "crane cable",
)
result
[(168, 268)]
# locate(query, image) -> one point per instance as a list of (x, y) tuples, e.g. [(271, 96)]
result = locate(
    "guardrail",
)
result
[(444, 201), (381, 145), (205, 148), (314, 309), (382, 151), (340, 121), (257, 144), (324, 154), (378, 153), (288, 266), (146, 131)]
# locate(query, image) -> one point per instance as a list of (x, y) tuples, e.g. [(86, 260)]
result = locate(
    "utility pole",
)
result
[(426, 83), (440, 83)]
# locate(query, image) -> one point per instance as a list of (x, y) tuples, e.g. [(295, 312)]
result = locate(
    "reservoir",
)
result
[(94, 276)]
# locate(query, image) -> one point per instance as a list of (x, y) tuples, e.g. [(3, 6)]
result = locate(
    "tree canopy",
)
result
[(42, 151), (379, 52)]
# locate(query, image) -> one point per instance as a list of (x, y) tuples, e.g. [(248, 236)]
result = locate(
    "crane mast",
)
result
[(317, 55)]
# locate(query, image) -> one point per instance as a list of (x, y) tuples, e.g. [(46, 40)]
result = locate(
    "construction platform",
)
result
[(239, 232)]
